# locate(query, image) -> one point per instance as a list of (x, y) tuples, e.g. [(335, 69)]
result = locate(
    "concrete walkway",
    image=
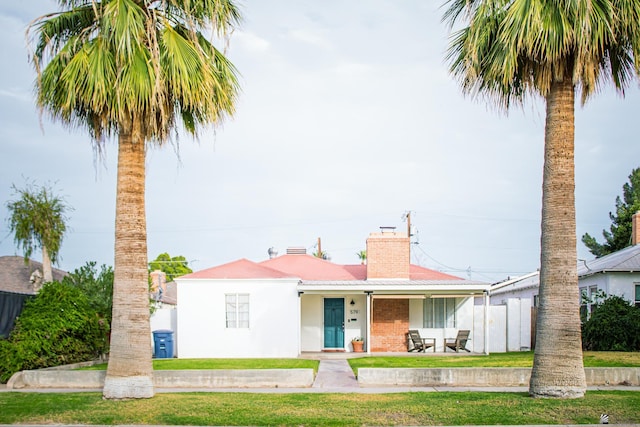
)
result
[(335, 374)]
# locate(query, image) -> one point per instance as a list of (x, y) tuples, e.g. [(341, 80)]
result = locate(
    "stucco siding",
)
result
[(613, 283), (273, 319), (623, 285), (311, 329)]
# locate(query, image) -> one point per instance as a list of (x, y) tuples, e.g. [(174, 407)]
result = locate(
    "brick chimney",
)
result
[(158, 281), (388, 255), (635, 228)]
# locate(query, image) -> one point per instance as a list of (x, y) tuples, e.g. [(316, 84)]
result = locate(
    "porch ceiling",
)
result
[(397, 287)]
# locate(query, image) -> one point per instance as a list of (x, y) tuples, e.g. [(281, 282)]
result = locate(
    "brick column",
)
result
[(390, 325)]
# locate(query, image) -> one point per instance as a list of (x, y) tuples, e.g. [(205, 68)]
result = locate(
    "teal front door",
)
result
[(334, 323)]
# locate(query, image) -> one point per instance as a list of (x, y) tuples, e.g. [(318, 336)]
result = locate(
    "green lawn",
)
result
[(497, 360), (178, 364), (505, 360), (452, 408)]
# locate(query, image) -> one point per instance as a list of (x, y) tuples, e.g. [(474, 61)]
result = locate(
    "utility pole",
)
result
[(407, 216), (319, 248)]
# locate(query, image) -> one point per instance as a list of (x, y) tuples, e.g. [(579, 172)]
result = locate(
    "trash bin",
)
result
[(163, 344)]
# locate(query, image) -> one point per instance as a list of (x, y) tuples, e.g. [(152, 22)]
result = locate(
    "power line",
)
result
[(467, 270)]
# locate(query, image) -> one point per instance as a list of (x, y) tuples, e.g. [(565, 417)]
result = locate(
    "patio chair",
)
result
[(419, 343), (458, 343)]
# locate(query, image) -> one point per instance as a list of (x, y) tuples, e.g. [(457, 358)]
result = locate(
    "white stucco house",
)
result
[(295, 303)]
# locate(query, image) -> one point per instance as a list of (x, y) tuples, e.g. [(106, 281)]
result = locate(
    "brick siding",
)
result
[(390, 325)]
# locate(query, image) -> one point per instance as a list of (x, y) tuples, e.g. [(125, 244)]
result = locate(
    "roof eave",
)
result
[(416, 287)]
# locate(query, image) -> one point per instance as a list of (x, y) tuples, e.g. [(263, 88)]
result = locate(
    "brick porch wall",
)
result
[(390, 325)]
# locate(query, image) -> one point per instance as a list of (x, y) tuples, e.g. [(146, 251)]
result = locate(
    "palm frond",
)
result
[(507, 49), (112, 62), (55, 30)]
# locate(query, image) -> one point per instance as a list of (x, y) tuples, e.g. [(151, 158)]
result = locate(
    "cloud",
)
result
[(250, 42), (348, 117)]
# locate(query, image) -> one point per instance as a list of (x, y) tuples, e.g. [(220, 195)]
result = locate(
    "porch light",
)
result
[(352, 302)]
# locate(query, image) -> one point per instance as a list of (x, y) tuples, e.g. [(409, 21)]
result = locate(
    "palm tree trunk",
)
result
[(558, 369), (130, 371), (47, 272)]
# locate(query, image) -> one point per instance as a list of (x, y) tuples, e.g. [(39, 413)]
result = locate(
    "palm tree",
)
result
[(37, 220), (508, 49), (136, 69)]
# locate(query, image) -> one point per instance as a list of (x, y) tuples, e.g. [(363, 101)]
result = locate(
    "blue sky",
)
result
[(347, 119)]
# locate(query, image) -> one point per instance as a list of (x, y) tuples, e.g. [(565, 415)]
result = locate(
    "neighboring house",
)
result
[(297, 303), (615, 274), (18, 282), (523, 287)]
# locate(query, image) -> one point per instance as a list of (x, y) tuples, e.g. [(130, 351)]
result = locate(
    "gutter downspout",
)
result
[(368, 322), (486, 322), (299, 328)]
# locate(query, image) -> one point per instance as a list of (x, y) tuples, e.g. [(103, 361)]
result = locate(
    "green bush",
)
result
[(55, 328), (613, 326), (96, 285)]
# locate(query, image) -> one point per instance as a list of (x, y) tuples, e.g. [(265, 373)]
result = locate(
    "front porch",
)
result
[(331, 318), (345, 355)]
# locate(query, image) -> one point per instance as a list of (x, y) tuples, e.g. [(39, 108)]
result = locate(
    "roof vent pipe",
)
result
[(273, 252)]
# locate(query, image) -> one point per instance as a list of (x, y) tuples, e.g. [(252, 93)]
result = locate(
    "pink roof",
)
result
[(308, 267), (421, 273), (240, 269), (305, 267)]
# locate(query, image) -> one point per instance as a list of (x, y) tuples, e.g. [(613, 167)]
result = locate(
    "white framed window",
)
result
[(237, 310), (637, 300), (590, 299), (439, 313), (593, 296), (584, 300)]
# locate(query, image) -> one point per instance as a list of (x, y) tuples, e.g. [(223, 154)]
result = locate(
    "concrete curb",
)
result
[(252, 378), (483, 377), (409, 378)]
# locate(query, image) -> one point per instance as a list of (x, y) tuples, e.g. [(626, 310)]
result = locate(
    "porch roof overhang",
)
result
[(397, 287)]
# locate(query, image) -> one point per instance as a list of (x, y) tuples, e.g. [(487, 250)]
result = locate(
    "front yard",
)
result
[(323, 409)]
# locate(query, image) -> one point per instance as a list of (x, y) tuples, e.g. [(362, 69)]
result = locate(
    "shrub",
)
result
[(96, 285), (56, 327), (613, 326)]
